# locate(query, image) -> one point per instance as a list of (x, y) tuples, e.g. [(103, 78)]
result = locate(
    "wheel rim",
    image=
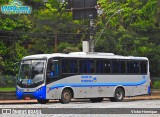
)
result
[(66, 95), (119, 95)]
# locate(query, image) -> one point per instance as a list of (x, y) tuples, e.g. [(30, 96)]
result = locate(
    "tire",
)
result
[(66, 96), (118, 96), (42, 101), (96, 100)]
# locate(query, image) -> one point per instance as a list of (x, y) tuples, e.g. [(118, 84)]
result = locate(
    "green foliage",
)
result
[(4, 1), (1, 65), (8, 89), (133, 32), (16, 52), (3, 49), (67, 48), (156, 85)]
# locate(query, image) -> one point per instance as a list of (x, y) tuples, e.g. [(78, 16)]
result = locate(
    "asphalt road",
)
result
[(139, 108)]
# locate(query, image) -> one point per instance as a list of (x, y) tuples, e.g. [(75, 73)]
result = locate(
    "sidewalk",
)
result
[(143, 98), (155, 96)]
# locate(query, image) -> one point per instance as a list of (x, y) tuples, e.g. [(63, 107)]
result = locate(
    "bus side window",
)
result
[(86, 66), (73, 66), (107, 66), (69, 66), (122, 67), (53, 69), (90, 66), (143, 66), (50, 68), (115, 66), (136, 67), (65, 65), (82, 66), (99, 66), (133, 67), (56, 68)]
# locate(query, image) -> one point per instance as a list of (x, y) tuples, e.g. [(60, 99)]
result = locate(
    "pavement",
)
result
[(155, 95)]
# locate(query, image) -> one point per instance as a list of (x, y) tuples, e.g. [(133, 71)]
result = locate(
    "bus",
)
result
[(81, 75)]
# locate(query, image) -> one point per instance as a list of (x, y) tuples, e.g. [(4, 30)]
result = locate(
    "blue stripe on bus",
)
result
[(98, 84)]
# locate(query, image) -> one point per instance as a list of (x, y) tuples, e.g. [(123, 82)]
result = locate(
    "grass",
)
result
[(8, 89)]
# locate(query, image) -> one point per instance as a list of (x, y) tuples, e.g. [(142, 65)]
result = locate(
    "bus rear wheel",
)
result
[(66, 96), (42, 101), (96, 100), (118, 96)]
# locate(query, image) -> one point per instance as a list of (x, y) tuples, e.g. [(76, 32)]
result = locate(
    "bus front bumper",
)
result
[(38, 94)]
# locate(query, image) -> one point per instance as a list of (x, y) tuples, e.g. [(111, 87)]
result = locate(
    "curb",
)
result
[(2, 102), (8, 96)]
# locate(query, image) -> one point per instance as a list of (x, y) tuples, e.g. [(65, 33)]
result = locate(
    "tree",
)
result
[(134, 31)]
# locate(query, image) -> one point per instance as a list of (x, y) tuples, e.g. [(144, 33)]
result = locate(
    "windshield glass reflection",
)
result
[(32, 71)]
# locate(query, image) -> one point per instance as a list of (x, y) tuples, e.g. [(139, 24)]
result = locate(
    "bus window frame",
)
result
[(48, 77), (104, 73), (119, 60), (146, 66), (92, 59), (68, 58)]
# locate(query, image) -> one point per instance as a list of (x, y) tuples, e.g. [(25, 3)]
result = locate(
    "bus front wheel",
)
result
[(118, 96), (42, 101), (66, 96)]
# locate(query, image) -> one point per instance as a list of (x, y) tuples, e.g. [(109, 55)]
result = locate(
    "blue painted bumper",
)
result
[(149, 90), (38, 94)]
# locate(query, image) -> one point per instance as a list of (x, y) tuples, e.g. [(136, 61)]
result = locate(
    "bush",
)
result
[(156, 85), (7, 81)]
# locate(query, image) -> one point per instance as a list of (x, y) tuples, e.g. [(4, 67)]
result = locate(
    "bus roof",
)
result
[(83, 55)]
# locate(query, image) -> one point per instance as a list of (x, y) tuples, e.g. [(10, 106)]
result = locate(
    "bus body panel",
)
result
[(103, 86), (89, 85)]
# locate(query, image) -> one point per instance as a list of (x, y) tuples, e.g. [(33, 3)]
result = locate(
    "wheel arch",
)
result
[(70, 88), (121, 88)]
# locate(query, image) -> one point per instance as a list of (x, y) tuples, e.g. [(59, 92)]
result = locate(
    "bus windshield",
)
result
[(31, 71)]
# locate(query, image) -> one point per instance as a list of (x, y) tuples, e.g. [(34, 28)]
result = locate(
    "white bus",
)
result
[(82, 75)]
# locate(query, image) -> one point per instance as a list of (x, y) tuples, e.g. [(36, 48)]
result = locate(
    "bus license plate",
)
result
[(27, 98)]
